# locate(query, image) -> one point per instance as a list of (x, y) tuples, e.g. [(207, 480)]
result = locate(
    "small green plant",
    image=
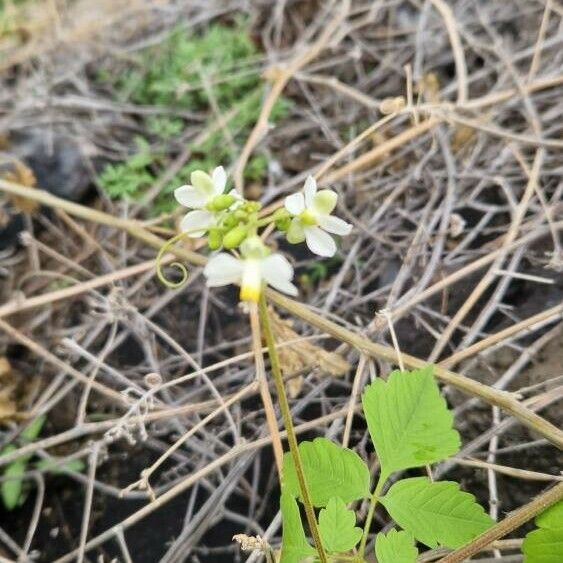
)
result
[(12, 489), (212, 72), (130, 177), (410, 426), (545, 543)]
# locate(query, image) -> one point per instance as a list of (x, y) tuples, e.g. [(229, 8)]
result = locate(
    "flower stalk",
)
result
[(288, 423)]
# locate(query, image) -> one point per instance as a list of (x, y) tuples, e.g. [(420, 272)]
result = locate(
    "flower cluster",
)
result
[(232, 223)]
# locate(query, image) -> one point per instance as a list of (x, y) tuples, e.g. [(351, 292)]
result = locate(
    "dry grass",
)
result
[(455, 193)]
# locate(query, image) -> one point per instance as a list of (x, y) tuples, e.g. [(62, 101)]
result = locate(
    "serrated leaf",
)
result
[(337, 527), (544, 545), (330, 470), (409, 421), (395, 547), (295, 547), (436, 513), (552, 517)]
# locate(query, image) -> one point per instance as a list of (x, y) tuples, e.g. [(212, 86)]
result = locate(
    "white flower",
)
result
[(256, 268), (312, 220), (200, 196)]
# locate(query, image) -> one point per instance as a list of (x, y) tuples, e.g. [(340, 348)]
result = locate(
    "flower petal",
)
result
[(223, 269), (195, 219), (295, 203), (334, 225), (295, 233), (324, 202), (219, 178), (202, 181), (251, 284), (278, 272), (190, 197), (319, 242), (310, 189)]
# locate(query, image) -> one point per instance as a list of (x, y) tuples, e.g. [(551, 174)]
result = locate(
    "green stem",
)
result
[(288, 423), (373, 503), (265, 221)]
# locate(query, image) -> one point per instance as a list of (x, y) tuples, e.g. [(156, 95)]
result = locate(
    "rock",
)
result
[(51, 161), (56, 161)]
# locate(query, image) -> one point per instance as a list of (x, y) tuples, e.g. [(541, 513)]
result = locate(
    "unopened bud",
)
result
[(221, 202), (229, 221), (214, 239), (282, 219), (234, 237), (240, 214)]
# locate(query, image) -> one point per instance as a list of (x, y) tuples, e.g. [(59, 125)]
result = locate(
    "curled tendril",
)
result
[(177, 265)]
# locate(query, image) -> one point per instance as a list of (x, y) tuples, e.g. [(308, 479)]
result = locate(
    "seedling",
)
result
[(410, 427), (12, 488)]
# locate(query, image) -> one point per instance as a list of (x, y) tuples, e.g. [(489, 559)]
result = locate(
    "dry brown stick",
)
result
[(501, 335), (435, 554), (510, 471), (511, 522), (265, 395), (500, 398), (190, 480), (490, 275), (20, 304), (368, 158), (457, 49), (52, 359), (504, 400), (284, 76), (504, 95)]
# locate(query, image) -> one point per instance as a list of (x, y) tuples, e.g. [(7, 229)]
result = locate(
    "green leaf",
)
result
[(395, 547), (552, 517), (337, 527), (33, 430), (408, 420), (436, 513), (330, 470), (295, 547), (11, 489), (543, 545)]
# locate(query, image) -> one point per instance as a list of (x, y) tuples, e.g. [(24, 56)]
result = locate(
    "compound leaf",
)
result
[(337, 527), (552, 517), (408, 420), (545, 544), (395, 547), (295, 547), (436, 513), (330, 470)]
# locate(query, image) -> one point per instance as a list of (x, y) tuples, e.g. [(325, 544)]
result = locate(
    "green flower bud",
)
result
[(251, 206), (229, 221), (221, 202), (234, 237), (214, 239), (240, 214), (282, 219)]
